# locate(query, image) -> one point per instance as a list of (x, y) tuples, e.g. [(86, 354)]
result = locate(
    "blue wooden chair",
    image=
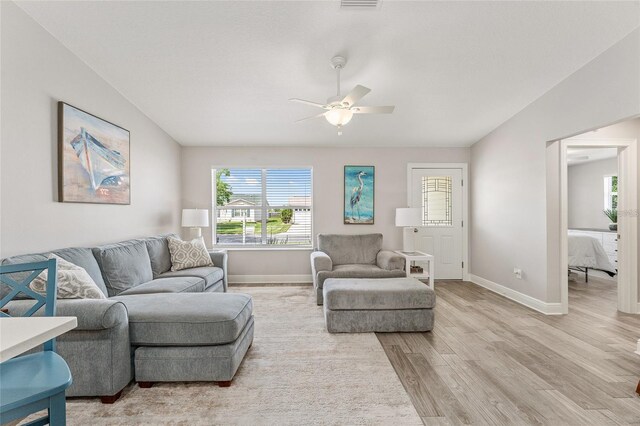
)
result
[(38, 381)]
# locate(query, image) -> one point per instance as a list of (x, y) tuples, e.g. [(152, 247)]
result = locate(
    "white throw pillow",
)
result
[(188, 254), (73, 282)]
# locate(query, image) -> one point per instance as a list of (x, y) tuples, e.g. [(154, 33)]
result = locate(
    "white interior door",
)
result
[(438, 192)]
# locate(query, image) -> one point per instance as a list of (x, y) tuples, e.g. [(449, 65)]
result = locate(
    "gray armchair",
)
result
[(352, 256)]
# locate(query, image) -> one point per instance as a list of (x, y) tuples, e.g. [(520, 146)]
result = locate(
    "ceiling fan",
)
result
[(340, 110)]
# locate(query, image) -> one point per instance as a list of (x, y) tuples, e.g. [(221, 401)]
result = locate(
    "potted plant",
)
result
[(612, 214)]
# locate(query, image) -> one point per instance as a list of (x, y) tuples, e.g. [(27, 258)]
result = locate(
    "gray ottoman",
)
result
[(189, 336), (378, 305)]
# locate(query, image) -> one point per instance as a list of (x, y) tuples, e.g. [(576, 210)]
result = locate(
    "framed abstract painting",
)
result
[(359, 195), (93, 159)]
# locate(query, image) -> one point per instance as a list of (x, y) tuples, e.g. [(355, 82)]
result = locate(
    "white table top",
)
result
[(18, 335), (414, 254)]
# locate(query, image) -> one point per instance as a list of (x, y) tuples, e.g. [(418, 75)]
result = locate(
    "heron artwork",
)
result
[(359, 195)]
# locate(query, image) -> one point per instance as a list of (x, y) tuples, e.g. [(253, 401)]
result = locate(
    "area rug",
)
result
[(295, 373)]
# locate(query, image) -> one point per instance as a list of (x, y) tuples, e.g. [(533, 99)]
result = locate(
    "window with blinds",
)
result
[(262, 207)]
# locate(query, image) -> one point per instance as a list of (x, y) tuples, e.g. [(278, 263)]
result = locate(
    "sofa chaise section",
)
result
[(189, 337)]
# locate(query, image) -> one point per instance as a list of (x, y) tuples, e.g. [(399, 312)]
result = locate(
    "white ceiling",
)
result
[(577, 156), (220, 73)]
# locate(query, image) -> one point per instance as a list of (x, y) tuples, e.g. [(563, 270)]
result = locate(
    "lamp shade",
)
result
[(408, 217), (195, 218)]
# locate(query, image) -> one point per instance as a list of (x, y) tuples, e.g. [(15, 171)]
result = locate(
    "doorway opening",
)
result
[(597, 250), (592, 203)]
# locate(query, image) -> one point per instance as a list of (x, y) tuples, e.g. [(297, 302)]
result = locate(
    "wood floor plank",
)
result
[(423, 400), (489, 360)]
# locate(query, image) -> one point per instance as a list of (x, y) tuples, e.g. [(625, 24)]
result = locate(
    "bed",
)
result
[(586, 253)]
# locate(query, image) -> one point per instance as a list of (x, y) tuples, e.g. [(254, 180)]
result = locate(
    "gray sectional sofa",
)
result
[(352, 256), (155, 324)]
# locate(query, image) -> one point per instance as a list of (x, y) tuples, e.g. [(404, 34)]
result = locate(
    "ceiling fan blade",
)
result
[(355, 95), (309, 118), (302, 101), (373, 110)]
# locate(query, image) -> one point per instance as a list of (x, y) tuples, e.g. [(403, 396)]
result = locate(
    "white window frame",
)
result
[(263, 207), (608, 193)]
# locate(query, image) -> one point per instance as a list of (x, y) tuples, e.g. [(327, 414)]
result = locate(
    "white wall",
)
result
[(586, 193), (37, 72), (327, 163), (512, 207)]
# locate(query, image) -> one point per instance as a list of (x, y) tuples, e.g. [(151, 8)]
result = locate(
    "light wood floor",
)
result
[(492, 361)]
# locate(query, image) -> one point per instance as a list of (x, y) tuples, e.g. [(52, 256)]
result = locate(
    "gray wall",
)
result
[(512, 207), (37, 71), (327, 163), (586, 193)]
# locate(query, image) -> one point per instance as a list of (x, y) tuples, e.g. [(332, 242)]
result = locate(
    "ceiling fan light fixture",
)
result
[(339, 116)]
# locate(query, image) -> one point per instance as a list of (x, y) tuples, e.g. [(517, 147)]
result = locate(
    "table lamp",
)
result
[(195, 219), (406, 218)]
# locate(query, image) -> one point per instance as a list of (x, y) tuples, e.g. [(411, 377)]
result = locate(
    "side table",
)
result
[(418, 256)]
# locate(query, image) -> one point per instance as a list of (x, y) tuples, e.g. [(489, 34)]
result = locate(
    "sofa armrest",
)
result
[(386, 259), (320, 261), (219, 259), (92, 314)]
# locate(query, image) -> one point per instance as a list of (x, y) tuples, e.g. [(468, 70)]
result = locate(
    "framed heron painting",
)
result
[(93, 159), (359, 195)]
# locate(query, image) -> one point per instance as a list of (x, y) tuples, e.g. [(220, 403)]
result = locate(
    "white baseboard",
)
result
[(516, 296), (270, 279)]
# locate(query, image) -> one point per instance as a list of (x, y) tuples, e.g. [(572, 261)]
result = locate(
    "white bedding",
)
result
[(587, 252)]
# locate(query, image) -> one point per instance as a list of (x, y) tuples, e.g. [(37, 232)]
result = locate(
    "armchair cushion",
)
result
[(389, 260), (349, 249)]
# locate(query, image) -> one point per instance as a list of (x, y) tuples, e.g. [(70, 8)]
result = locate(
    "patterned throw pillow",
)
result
[(73, 282), (188, 254)]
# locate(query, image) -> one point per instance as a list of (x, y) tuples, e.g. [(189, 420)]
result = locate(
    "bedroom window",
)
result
[(611, 192), (262, 207)]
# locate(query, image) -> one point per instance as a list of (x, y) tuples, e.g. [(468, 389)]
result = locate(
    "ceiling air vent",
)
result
[(359, 4)]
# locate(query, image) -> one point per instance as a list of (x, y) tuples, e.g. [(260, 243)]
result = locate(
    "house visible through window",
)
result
[(262, 207), (611, 192)]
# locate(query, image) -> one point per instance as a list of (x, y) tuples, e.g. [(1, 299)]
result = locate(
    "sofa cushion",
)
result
[(186, 319), (124, 265), (377, 294), (80, 256), (211, 274), (158, 249), (349, 249), (168, 285)]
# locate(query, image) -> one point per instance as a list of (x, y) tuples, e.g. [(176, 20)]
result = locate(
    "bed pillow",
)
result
[(188, 254), (73, 282)]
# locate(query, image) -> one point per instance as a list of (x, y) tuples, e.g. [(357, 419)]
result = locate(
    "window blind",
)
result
[(263, 207)]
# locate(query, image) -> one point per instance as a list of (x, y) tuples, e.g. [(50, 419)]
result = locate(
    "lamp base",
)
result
[(196, 232), (408, 240)]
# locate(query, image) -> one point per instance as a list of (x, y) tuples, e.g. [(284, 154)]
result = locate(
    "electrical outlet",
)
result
[(518, 273)]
